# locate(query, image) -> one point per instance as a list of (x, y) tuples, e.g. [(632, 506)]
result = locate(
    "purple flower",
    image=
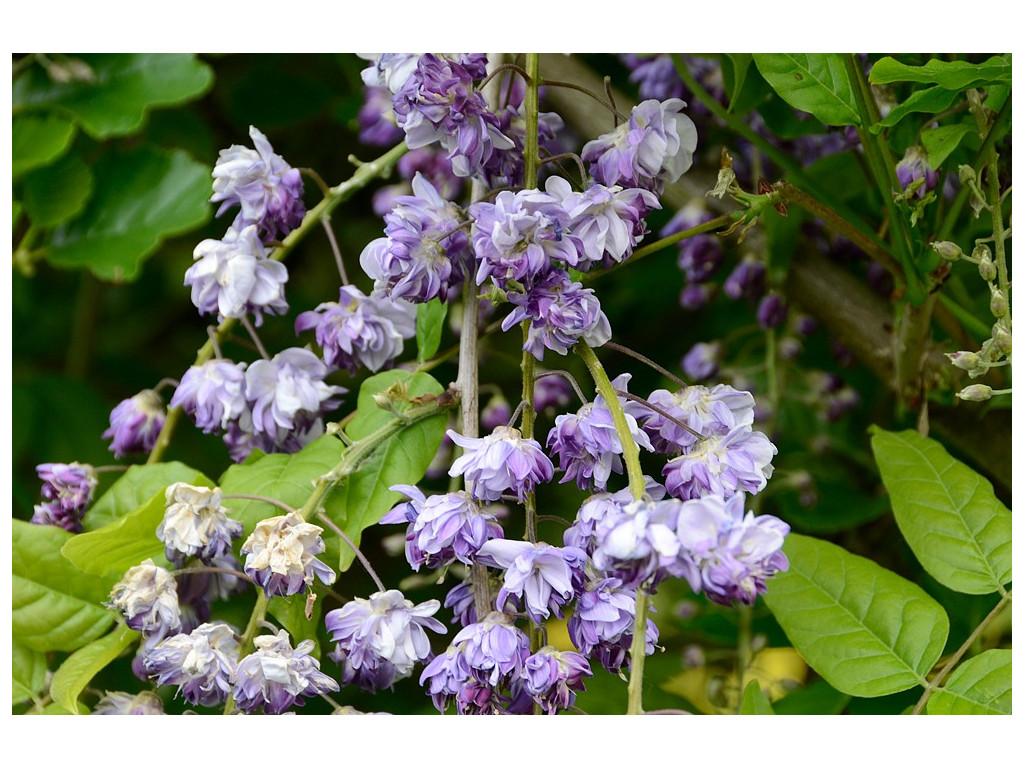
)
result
[(655, 76), (655, 146), (379, 640), (200, 663), (746, 280), (496, 413), (268, 190), (502, 461), (52, 513), (552, 678), (147, 596), (277, 677), (735, 554), (551, 393), (287, 395), (135, 423), (636, 542), (234, 277), (582, 532), (377, 119), (701, 362), (542, 578), (212, 394), (696, 295), (424, 251), (462, 601), (587, 444), (771, 312), (445, 675), (196, 525), (442, 528), (699, 256), (601, 625), (494, 649), (723, 462), (388, 70), (914, 166), (360, 329), (120, 703), (561, 313), (703, 409), (281, 555), (68, 487), (435, 167)]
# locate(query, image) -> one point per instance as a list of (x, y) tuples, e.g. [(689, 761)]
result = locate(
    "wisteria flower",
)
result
[(701, 255), (196, 525), (723, 463), (552, 678), (701, 362), (601, 625), (200, 663), (502, 461), (68, 486), (377, 118), (276, 677), (462, 601), (494, 649), (388, 70), (746, 280), (212, 394), (914, 166), (147, 596), (281, 555), (705, 410), (380, 639), (582, 532), (541, 578), (121, 703), (135, 423), (637, 543), (359, 329)]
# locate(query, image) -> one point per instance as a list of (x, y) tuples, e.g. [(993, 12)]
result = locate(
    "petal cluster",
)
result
[(281, 555)]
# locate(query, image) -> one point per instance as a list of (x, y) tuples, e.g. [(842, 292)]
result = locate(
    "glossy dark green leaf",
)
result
[(37, 140), (754, 701), (28, 672), (429, 325), (83, 665), (136, 487), (982, 685), (931, 101), (126, 86), (864, 629), (953, 75), (947, 512), (142, 197), (814, 82), (56, 607), (58, 192)]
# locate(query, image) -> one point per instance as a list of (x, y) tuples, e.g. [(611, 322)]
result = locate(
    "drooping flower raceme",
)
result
[(234, 277), (212, 394), (734, 553), (601, 625), (380, 639), (135, 423), (281, 555), (552, 678), (276, 677), (147, 596), (442, 528), (502, 461), (541, 578), (655, 146), (267, 189), (582, 533), (196, 525), (424, 251), (359, 329), (494, 649), (200, 663)]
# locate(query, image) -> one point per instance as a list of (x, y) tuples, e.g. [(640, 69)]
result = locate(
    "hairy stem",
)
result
[(638, 654)]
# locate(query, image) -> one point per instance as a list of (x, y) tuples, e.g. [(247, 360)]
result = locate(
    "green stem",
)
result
[(743, 648), (638, 654), (944, 672), (531, 151), (630, 450), (259, 613)]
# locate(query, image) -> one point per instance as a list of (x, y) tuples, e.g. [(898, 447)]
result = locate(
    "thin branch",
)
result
[(646, 361), (362, 558), (247, 324), (568, 377)]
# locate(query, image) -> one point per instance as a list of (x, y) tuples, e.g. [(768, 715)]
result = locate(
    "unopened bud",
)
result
[(1002, 340), (967, 174), (998, 303), (947, 250), (965, 361), (987, 270), (975, 392)]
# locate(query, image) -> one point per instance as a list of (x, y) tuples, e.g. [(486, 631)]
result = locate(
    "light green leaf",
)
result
[(754, 701), (37, 140), (58, 192), (929, 100), (56, 607), (736, 75), (290, 612), (940, 142), (28, 672), (814, 82), (982, 685), (947, 512), (953, 75), (429, 325), (84, 664), (369, 416), (142, 197), (125, 88), (864, 629), (136, 487), (57, 709)]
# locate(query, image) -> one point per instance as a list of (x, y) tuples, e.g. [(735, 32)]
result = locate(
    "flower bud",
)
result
[(967, 174), (965, 361), (975, 392), (987, 269), (1002, 340), (947, 250), (998, 303)]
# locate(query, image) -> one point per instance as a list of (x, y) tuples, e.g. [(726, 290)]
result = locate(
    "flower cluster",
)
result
[(147, 597), (67, 492), (135, 423), (502, 461), (281, 555), (201, 663), (196, 525), (276, 677)]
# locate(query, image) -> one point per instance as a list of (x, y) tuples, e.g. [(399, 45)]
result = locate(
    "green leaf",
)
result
[(947, 512), (58, 192), (57, 709), (125, 88), (429, 325), (953, 75), (754, 701), (864, 629), (84, 664), (814, 82), (369, 416), (37, 140), (982, 685), (288, 478), (940, 142), (929, 100), (136, 487), (818, 698), (56, 607), (28, 672), (142, 197), (291, 613), (735, 73)]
